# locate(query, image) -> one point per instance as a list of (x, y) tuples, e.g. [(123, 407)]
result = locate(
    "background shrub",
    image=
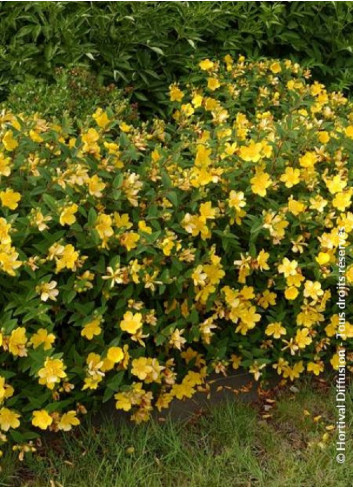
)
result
[(147, 45), (73, 94)]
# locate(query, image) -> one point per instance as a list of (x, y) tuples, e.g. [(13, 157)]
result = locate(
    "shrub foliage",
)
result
[(73, 94), (147, 45), (137, 258)]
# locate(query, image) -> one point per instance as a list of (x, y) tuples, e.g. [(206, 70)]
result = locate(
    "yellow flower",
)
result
[(291, 293), (293, 373), (101, 118), (123, 401), (331, 328), (302, 338), (275, 67), (206, 65), (42, 419), (236, 200), (9, 141), (177, 340), (17, 342), (6, 390), (337, 360), (5, 228), (280, 365), (125, 127), (144, 228), (206, 211), (129, 240), (52, 372), (318, 203), (175, 94), (213, 83), (187, 109), (167, 246), (308, 160), (253, 152), (249, 318), (122, 221), (349, 131), (290, 177), (103, 226), (131, 322), (113, 148), (180, 391), (295, 207), (295, 280), (323, 258), (48, 290), (10, 199), (255, 369), (341, 201), (96, 186), (92, 329), (261, 259), (236, 361), (288, 267), (8, 419), (8, 260), (141, 368), (260, 182), (115, 354), (5, 165), (68, 420), (35, 136), (201, 177), (276, 330), (67, 215), (41, 337), (202, 156), (228, 59), (313, 290), (336, 184), (40, 221), (68, 259), (315, 367), (197, 100), (89, 140), (324, 137), (146, 369), (267, 299)]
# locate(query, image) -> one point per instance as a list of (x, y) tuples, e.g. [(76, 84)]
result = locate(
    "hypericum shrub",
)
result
[(136, 260)]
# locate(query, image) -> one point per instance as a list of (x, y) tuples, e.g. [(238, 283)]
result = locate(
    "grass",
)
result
[(231, 445)]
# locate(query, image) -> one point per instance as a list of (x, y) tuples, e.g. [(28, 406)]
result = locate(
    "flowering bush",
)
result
[(137, 259)]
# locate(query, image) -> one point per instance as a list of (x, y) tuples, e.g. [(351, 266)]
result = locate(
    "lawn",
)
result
[(232, 444)]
